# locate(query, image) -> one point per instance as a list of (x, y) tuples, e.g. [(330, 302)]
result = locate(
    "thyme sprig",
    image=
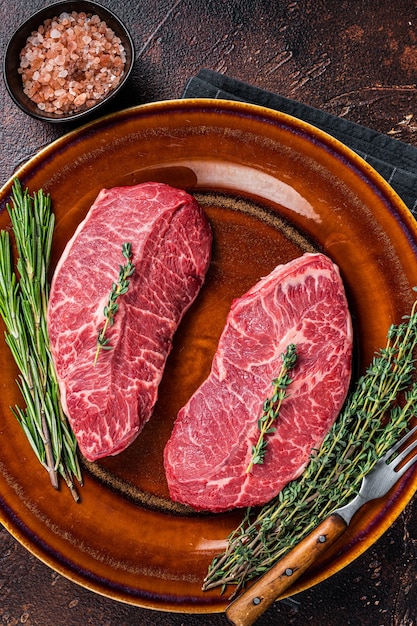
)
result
[(23, 306), (272, 406), (117, 290), (378, 409)]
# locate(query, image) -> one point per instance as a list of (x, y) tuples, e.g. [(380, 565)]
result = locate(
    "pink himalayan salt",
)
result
[(71, 62)]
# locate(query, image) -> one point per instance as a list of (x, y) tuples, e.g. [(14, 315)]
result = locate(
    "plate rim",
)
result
[(353, 160)]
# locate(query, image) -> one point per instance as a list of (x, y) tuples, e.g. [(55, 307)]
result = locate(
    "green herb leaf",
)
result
[(23, 306), (112, 307), (272, 406)]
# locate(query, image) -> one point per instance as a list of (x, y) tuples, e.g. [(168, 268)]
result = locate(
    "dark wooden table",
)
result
[(354, 59)]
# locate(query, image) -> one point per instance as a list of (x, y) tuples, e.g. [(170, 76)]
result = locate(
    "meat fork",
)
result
[(387, 471)]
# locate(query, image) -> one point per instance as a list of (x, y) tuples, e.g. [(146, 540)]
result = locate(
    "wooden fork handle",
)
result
[(252, 603)]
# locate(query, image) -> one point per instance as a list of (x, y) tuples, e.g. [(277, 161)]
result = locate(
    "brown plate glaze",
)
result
[(273, 187)]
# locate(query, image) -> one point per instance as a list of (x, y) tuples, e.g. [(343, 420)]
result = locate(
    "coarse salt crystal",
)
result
[(55, 33), (80, 100), (45, 77), (60, 59)]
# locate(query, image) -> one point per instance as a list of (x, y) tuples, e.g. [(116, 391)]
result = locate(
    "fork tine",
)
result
[(399, 443), (403, 455)]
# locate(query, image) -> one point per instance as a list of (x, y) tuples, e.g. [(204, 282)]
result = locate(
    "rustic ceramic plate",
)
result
[(273, 187)]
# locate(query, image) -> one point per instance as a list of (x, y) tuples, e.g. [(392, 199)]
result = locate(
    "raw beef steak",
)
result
[(210, 449), (108, 404)]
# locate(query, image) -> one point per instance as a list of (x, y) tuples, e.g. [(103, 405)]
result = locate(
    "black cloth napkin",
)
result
[(395, 160)]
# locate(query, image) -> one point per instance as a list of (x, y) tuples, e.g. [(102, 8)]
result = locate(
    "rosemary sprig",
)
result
[(272, 406), (378, 409), (118, 289), (23, 306)]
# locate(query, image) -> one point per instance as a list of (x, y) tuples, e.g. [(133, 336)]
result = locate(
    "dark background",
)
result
[(355, 59)]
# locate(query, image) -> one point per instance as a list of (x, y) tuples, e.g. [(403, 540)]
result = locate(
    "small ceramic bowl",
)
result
[(11, 63)]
